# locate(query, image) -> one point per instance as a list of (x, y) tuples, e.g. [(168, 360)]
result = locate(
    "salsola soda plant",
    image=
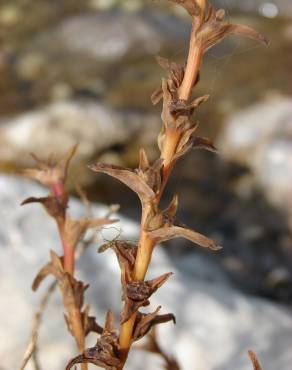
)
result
[(148, 181)]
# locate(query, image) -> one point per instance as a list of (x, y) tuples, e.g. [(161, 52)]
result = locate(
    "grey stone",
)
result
[(85, 47), (215, 324), (57, 126), (259, 138), (269, 9)]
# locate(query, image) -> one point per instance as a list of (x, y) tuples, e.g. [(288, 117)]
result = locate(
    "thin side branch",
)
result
[(30, 349)]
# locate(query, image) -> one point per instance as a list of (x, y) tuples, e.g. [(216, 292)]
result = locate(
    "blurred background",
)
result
[(83, 71)]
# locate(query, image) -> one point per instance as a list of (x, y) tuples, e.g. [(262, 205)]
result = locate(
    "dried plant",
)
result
[(148, 181), (53, 174)]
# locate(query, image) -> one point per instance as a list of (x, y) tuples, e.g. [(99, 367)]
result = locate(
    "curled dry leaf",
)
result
[(145, 322), (173, 232), (152, 346), (89, 323), (53, 205), (126, 254), (254, 360), (105, 353), (76, 229), (137, 294), (72, 292)]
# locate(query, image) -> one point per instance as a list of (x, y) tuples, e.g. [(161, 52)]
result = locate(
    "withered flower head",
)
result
[(137, 293), (51, 172), (105, 353)]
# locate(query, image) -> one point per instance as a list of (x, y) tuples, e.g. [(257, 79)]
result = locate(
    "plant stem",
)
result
[(193, 66), (76, 317), (146, 244), (69, 266)]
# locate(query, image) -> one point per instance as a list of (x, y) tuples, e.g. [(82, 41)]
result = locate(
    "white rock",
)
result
[(215, 324), (56, 127), (259, 137)]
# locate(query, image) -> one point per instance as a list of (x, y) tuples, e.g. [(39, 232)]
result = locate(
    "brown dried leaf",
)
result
[(185, 142), (72, 290), (183, 108), (52, 205), (203, 143), (89, 323), (156, 96), (152, 346), (152, 175), (145, 322), (215, 30), (99, 356), (167, 116), (128, 177), (143, 162), (254, 360), (241, 30), (106, 351), (173, 232), (137, 294), (176, 72), (126, 254), (172, 208), (75, 229), (55, 268)]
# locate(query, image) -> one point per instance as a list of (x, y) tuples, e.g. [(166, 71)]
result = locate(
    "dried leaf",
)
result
[(126, 254), (106, 351), (152, 175), (152, 346), (72, 290), (52, 205), (175, 72), (76, 229), (254, 360), (145, 322), (156, 96), (215, 30), (183, 108), (143, 162), (203, 143), (172, 208), (128, 177), (55, 267), (101, 355), (90, 324), (167, 116), (173, 232), (137, 294)]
